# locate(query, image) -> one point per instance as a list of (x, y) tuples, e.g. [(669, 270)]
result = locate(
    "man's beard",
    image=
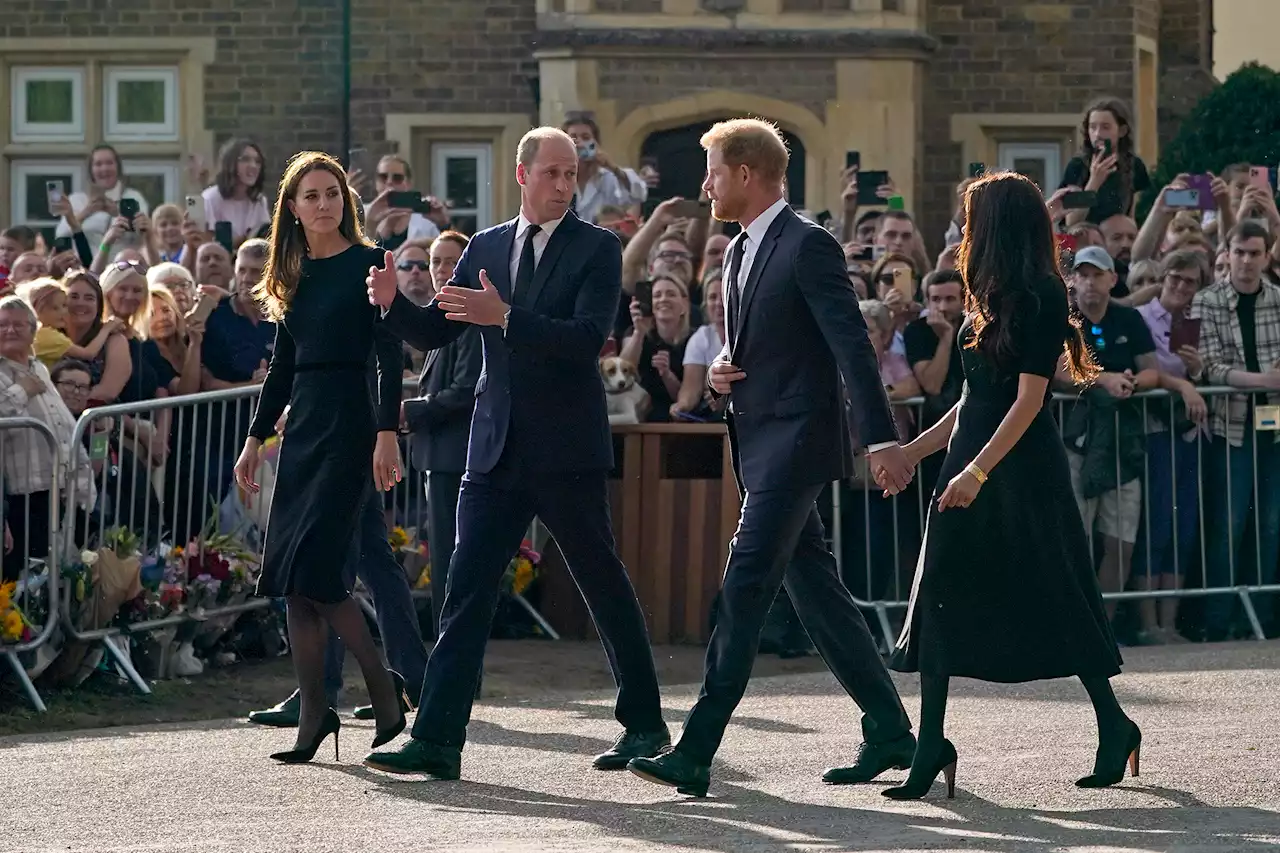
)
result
[(726, 211)]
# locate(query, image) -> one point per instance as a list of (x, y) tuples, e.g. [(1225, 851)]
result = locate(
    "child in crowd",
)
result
[(1107, 163), (48, 298), (167, 224)]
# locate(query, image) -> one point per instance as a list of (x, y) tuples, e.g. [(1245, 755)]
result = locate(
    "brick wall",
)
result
[(997, 56), (637, 82), (276, 75), (1146, 18), (463, 56), (1186, 60)]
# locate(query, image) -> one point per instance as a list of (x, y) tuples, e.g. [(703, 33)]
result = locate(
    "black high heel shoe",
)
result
[(917, 785), (1108, 767), (385, 736), (329, 726)]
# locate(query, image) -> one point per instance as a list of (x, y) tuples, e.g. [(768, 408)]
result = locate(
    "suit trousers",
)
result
[(494, 513), (373, 562), (780, 540), (442, 530)]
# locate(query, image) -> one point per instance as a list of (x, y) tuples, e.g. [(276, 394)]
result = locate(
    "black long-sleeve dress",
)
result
[(325, 469), (1005, 589)]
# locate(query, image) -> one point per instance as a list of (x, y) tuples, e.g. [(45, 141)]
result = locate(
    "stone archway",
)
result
[(635, 128)]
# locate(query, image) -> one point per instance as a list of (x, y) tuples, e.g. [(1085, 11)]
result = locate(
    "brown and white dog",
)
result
[(628, 402)]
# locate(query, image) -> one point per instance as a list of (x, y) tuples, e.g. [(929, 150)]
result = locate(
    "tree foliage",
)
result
[(1238, 122)]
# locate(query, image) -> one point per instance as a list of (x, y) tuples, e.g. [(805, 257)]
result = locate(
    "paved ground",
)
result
[(1211, 777)]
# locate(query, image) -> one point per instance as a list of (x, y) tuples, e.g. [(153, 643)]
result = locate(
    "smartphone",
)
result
[(897, 202), (1106, 147), (1203, 184), (1182, 199), (129, 208), (644, 297), (904, 283), (406, 199), (1185, 333), (56, 192), (222, 236), (869, 183), (689, 417), (195, 212), (203, 308), (877, 252), (1259, 176), (864, 255), (99, 445), (853, 159), (977, 170), (691, 209), (358, 160), (62, 244), (1079, 200)]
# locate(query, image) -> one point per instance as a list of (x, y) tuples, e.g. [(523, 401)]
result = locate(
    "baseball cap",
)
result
[(1094, 256)]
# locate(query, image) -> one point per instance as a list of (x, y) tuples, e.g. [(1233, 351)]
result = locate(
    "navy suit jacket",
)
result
[(439, 418), (800, 331), (539, 390)]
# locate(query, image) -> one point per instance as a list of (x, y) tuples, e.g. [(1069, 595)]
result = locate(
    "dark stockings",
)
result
[(309, 623), (933, 713)]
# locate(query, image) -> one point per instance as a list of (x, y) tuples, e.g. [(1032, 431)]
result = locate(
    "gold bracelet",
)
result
[(977, 473)]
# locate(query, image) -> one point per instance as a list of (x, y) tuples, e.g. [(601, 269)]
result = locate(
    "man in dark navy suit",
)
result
[(543, 288), (793, 331)]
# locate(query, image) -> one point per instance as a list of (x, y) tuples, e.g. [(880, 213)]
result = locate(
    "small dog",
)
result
[(628, 402)]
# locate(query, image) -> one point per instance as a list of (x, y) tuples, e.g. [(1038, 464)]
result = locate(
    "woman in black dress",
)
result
[(1005, 590), (336, 447)]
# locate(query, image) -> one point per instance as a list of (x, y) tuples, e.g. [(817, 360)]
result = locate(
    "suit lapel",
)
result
[(428, 364), (758, 264), (500, 273), (555, 246)]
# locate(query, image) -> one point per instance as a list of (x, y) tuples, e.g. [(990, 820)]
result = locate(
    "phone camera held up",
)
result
[(129, 208), (644, 297)]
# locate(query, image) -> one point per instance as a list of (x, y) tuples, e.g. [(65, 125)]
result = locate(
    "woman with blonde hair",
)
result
[(336, 445), (177, 339)]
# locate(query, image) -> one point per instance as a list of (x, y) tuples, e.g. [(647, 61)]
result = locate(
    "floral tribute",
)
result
[(15, 627)]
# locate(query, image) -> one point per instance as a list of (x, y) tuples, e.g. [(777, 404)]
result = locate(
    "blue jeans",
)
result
[(373, 562), (1233, 498), (1171, 521)]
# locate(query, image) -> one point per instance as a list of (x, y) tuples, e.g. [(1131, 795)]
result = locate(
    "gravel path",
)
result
[(1210, 781)]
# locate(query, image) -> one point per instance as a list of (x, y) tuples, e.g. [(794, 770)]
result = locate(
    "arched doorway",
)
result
[(682, 164)]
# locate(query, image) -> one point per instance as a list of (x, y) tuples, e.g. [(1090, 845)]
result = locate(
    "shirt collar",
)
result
[(760, 225), (548, 228), (1155, 311)]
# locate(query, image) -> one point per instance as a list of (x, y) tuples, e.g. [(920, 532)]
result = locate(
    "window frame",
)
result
[(169, 170), (114, 130), (20, 169), (1048, 152), (21, 131), (482, 153)]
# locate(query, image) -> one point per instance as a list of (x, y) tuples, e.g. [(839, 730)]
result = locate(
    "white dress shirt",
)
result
[(540, 241), (752, 236)]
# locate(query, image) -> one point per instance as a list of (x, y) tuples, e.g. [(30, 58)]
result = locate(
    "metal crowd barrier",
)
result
[(32, 562), (879, 565)]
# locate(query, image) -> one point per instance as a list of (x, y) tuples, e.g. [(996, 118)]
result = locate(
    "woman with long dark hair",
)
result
[(238, 195), (1108, 163), (339, 440), (1005, 590)]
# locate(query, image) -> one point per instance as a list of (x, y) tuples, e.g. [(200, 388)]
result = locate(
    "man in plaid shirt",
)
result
[(1240, 347)]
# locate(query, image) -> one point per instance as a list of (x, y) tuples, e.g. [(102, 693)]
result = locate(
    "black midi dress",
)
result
[(320, 369), (1005, 589)]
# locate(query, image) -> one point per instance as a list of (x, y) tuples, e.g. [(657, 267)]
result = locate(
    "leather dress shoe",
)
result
[(419, 756), (674, 769), (631, 745), (283, 716), (873, 759), (365, 712)]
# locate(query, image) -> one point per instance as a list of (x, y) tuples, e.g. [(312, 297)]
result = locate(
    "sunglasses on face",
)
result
[(127, 265), (886, 279), (405, 266)]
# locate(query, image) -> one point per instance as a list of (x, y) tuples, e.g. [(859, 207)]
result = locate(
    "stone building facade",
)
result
[(918, 87)]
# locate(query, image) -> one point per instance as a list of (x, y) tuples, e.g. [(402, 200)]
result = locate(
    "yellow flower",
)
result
[(398, 538), (12, 628), (523, 577), (424, 577), (6, 595)]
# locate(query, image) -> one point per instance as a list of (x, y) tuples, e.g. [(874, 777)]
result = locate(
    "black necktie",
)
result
[(731, 287), (524, 272)]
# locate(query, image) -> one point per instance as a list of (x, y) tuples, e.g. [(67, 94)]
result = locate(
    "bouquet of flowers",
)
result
[(14, 625), (522, 571)]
